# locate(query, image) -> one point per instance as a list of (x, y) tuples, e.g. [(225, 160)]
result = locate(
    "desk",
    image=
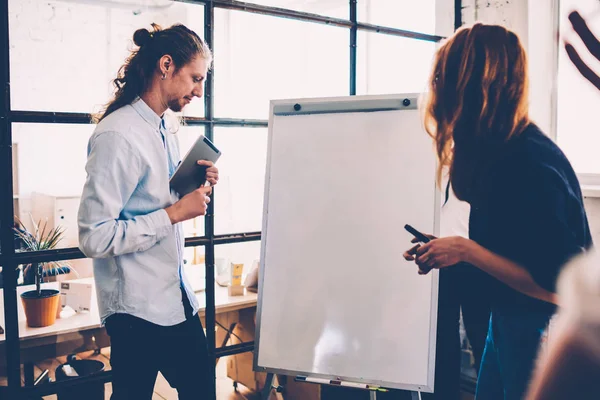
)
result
[(75, 333)]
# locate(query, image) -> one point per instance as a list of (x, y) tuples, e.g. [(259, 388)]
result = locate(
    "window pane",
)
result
[(329, 8), (409, 15), (239, 194), (51, 157), (259, 58), (194, 267), (50, 175), (238, 253), (390, 64), (578, 100), (64, 55)]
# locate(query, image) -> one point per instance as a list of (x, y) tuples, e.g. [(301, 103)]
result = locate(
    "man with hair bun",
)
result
[(130, 221)]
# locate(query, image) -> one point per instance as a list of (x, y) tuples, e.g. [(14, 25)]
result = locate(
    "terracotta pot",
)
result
[(59, 307), (40, 310)]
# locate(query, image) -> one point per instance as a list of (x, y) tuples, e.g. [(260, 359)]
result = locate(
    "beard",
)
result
[(176, 105)]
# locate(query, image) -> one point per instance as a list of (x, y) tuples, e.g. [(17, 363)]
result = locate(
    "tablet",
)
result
[(189, 175)]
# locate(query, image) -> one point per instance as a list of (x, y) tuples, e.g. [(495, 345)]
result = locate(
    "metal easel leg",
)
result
[(372, 395), (266, 392), (279, 388)]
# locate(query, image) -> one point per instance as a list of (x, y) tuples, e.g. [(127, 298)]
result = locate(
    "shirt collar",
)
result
[(147, 113)]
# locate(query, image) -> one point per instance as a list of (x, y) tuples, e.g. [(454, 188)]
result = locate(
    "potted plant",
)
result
[(41, 305)]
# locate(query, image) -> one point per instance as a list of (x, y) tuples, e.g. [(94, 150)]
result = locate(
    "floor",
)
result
[(162, 390)]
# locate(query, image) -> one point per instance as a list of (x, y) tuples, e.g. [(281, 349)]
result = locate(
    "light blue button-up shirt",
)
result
[(137, 252)]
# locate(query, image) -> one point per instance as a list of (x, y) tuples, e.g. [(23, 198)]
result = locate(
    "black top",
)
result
[(529, 209)]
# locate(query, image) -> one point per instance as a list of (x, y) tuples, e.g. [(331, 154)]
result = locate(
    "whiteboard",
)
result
[(337, 300)]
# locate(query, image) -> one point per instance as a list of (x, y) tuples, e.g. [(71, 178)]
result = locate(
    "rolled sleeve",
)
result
[(160, 223)]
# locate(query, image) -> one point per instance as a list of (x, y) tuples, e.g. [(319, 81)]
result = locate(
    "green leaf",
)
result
[(45, 239), (40, 237)]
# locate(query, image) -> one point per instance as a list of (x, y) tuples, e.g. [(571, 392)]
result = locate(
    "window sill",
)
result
[(590, 190)]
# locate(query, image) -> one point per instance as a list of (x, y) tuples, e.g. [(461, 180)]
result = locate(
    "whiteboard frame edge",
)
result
[(397, 97), (263, 240), (434, 290), (361, 104), (343, 99), (429, 387)]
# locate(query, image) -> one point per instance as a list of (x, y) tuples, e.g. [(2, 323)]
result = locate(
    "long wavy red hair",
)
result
[(477, 101)]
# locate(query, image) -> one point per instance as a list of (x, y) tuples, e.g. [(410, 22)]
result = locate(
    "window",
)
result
[(194, 267), (330, 8), (239, 194), (50, 175), (301, 60), (237, 253), (391, 64), (401, 14), (64, 55), (51, 158), (258, 58), (578, 100)]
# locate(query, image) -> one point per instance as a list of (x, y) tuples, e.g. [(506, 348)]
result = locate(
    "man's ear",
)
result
[(166, 64)]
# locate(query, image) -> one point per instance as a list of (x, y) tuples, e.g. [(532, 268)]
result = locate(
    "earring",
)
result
[(164, 76)]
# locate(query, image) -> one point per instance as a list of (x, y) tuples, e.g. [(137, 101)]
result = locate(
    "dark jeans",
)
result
[(510, 352), (140, 349), (473, 292)]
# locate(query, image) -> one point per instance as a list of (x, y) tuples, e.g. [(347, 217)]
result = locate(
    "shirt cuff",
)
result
[(161, 223)]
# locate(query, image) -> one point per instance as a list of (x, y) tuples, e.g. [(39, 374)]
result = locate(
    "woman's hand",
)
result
[(441, 253), (410, 254)]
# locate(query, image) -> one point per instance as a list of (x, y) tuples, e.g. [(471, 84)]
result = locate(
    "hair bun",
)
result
[(141, 37)]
